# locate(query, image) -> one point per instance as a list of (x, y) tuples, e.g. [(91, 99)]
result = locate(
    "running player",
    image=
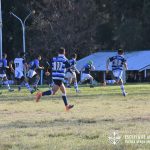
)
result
[(71, 73), (86, 73), (32, 73), (118, 62), (59, 66), (20, 66), (3, 76)]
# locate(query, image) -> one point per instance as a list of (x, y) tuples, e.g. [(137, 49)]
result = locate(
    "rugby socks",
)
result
[(68, 85), (7, 84), (21, 84), (76, 85), (28, 87), (1, 82), (92, 82), (49, 92), (36, 82), (64, 97), (66, 81), (122, 88)]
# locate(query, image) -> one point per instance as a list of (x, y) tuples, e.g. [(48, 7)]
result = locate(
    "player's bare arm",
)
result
[(126, 66)]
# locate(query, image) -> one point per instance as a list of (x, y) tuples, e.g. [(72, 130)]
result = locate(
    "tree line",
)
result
[(81, 26)]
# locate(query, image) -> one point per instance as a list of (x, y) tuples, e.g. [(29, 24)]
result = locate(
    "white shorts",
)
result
[(70, 75), (117, 74), (18, 74), (110, 81), (3, 75), (31, 73), (85, 76)]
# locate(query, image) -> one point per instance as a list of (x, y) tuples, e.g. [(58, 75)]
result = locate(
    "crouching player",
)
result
[(118, 62), (59, 65), (86, 73), (71, 73)]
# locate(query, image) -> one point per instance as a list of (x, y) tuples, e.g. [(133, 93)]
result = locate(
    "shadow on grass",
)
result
[(56, 122), (73, 122), (85, 95), (63, 134)]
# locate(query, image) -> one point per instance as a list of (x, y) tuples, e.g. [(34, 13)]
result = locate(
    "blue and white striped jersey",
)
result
[(3, 64), (59, 66), (117, 62)]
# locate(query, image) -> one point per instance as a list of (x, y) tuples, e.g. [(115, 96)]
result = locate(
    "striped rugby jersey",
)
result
[(117, 62), (59, 66)]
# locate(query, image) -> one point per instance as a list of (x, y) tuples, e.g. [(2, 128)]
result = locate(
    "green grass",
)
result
[(26, 125)]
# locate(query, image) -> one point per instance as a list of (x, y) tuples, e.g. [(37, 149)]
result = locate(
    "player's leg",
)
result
[(116, 74), (50, 81), (83, 78), (1, 80), (18, 75), (64, 97), (75, 83), (55, 88), (68, 79), (36, 81), (34, 77), (118, 78), (20, 85), (89, 77), (25, 82), (91, 81), (122, 87), (5, 79)]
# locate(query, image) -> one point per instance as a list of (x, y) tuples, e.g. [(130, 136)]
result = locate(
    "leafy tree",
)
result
[(82, 26)]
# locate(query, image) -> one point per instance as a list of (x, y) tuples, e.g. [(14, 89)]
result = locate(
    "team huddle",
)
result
[(61, 69)]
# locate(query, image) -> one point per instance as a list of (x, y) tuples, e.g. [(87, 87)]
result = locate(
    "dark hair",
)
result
[(120, 51), (74, 55), (37, 56), (61, 50), (21, 54)]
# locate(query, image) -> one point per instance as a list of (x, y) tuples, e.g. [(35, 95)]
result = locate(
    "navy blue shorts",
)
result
[(58, 82)]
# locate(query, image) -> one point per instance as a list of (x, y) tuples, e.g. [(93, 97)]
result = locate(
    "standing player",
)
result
[(86, 73), (20, 66), (32, 73), (71, 73), (59, 66), (118, 62), (3, 76)]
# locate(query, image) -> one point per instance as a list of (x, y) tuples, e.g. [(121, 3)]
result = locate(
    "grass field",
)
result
[(98, 112)]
